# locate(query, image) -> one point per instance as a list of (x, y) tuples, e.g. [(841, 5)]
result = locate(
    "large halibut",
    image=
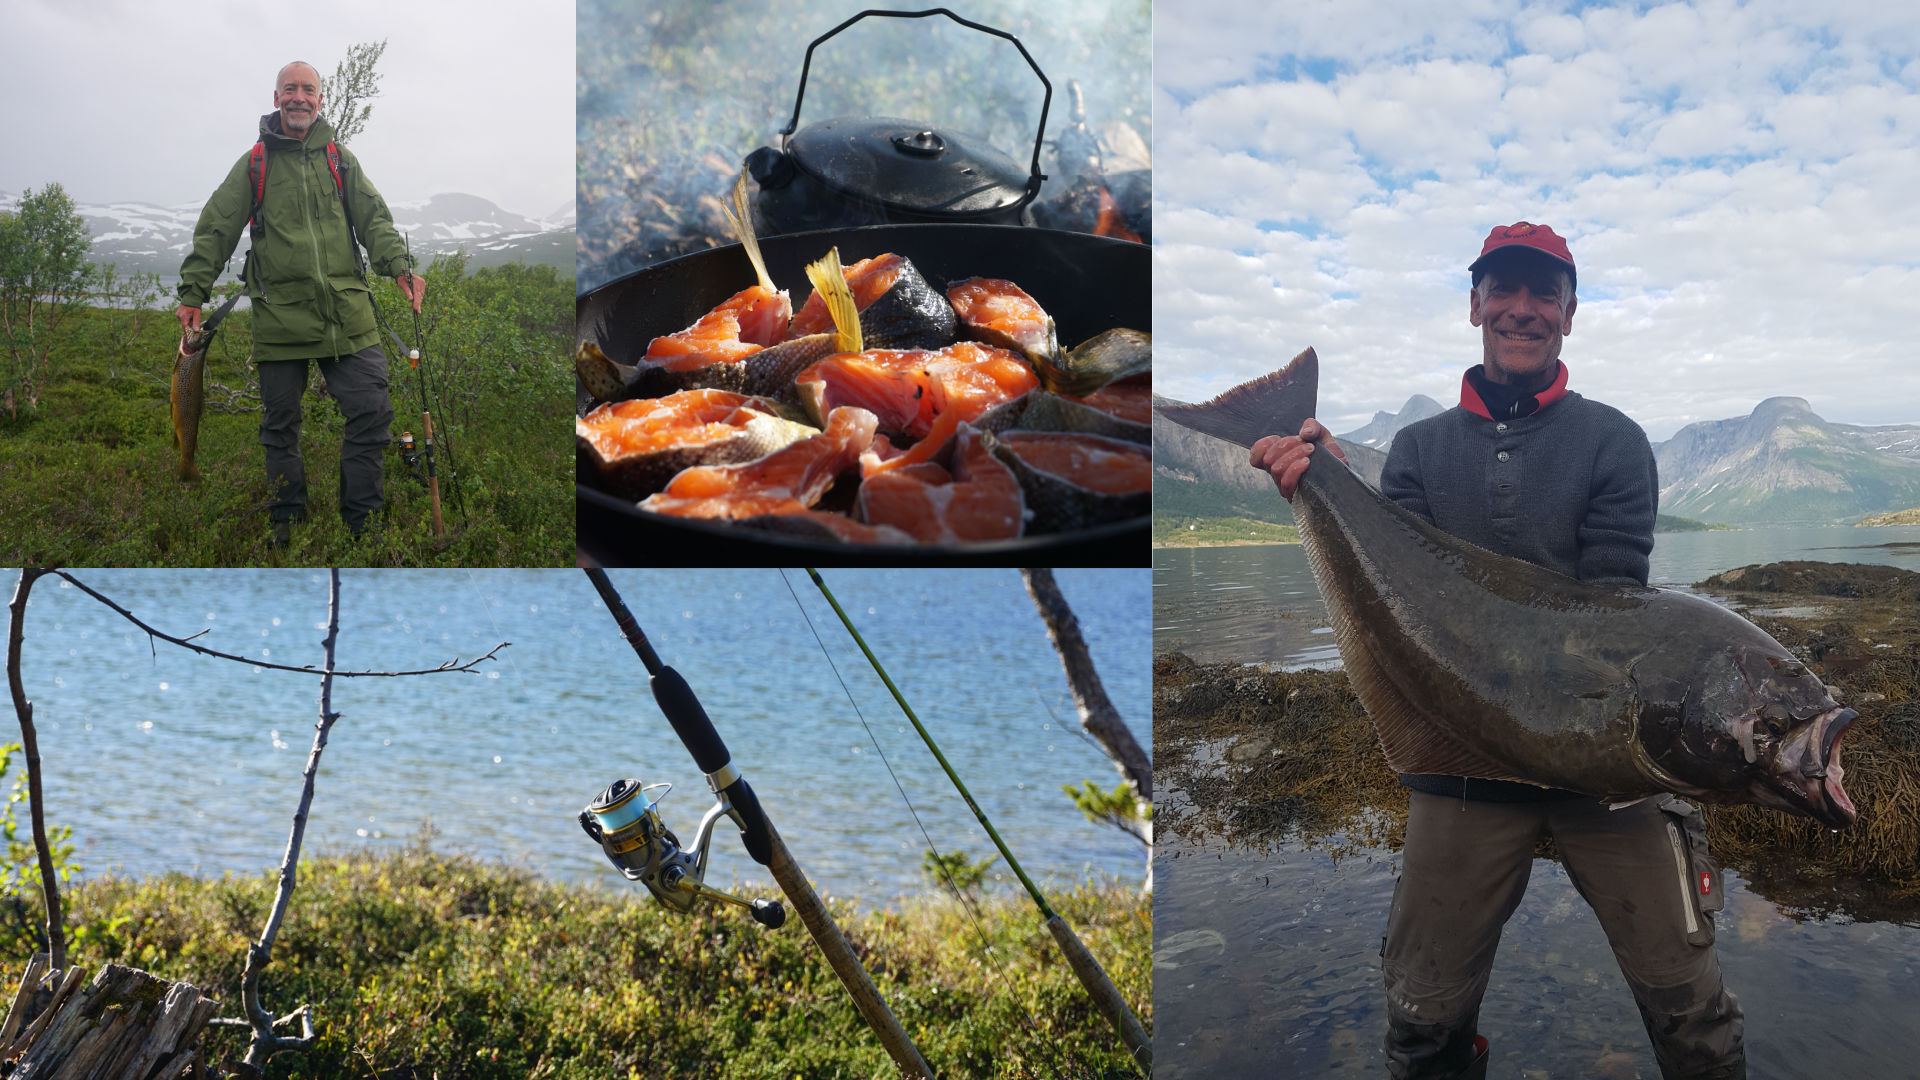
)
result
[(1476, 664)]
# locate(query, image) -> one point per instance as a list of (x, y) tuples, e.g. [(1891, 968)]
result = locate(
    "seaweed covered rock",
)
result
[(1803, 578)]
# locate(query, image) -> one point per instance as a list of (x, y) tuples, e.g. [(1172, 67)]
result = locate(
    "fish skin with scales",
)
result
[(1471, 663)]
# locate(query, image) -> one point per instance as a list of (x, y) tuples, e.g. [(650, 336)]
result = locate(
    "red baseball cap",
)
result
[(1540, 238)]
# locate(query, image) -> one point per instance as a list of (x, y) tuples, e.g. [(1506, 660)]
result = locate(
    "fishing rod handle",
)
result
[(689, 719)]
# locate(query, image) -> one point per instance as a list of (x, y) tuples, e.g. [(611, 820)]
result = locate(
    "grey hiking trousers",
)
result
[(1464, 870), (358, 384)]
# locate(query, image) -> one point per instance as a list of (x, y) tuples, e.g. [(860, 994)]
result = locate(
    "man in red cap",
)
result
[(1525, 467)]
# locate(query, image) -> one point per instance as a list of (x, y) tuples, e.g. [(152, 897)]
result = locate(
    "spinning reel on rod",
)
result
[(625, 822)]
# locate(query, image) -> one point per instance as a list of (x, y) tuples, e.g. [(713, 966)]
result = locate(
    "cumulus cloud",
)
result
[(1733, 178)]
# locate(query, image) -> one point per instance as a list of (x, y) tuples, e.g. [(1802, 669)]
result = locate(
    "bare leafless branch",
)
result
[(1097, 713), (308, 669), (265, 1042), (49, 885)]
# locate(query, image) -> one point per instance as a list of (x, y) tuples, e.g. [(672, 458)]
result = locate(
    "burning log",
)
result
[(125, 1025), (1101, 182)]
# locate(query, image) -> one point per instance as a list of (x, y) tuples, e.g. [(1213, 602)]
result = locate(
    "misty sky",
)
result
[(1737, 183), (135, 102)]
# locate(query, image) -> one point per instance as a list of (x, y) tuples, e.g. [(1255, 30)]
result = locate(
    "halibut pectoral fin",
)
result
[(1412, 744), (1410, 740)]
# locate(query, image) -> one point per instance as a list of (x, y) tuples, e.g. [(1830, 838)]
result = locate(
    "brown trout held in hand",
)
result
[(188, 393), (1476, 664)]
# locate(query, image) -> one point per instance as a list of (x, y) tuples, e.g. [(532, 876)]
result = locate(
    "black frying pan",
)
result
[(1087, 283)]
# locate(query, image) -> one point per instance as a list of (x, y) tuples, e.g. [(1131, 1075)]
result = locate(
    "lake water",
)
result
[(163, 761), (1260, 605), (1267, 961)]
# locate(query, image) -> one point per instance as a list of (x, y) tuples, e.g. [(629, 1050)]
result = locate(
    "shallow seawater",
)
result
[(1267, 964), (1259, 604)]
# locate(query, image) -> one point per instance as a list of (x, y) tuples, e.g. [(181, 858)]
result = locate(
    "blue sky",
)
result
[(1736, 181), (122, 101)]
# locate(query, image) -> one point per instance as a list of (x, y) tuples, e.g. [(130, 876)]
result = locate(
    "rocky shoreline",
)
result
[(1257, 757)]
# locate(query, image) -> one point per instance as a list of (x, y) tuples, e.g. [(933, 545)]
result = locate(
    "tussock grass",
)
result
[(430, 965), (90, 478)]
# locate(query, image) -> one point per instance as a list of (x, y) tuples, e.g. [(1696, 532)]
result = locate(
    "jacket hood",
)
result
[(270, 130)]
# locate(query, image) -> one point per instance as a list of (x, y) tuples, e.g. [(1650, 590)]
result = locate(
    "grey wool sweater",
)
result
[(1573, 487)]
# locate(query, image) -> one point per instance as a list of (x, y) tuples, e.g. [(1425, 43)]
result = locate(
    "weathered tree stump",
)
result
[(124, 1025)]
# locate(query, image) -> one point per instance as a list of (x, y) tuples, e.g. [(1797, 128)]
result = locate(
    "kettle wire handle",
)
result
[(1036, 176)]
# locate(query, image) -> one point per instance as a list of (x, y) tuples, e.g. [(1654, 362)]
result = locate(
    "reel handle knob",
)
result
[(769, 913)]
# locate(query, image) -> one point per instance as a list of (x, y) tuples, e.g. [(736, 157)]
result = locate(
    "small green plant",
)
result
[(1120, 808), (20, 871), (956, 872)]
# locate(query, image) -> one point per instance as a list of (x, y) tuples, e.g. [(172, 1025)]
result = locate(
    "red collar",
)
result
[(1470, 398)]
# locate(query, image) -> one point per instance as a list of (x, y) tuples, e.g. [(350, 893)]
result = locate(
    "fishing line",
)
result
[(1093, 978), (968, 907), (895, 777)]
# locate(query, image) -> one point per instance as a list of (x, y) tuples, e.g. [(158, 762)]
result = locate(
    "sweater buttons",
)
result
[(1502, 455), (1500, 427)]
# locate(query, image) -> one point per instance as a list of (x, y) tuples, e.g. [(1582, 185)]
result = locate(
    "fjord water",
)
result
[(1267, 957), (161, 760), (1260, 605)]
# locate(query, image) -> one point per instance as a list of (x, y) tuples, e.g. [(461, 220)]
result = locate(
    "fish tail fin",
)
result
[(1273, 404), (740, 216), (828, 277)]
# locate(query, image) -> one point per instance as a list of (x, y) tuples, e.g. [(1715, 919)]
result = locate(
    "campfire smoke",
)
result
[(668, 108)]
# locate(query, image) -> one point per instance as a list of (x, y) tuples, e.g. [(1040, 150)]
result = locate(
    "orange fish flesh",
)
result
[(1073, 480), (632, 448), (786, 481), (898, 309), (749, 320), (979, 501), (1128, 399), (1001, 313), (908, 389)]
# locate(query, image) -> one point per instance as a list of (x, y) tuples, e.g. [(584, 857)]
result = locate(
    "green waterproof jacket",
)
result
[(308, 297)]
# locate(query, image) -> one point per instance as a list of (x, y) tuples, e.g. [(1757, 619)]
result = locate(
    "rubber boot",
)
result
[(1477, 1068)]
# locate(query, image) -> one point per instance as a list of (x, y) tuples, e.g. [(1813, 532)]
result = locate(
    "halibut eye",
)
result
[(1776, 717), (1790, 669)]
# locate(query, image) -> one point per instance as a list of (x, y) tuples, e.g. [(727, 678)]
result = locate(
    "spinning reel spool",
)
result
[(625, 821)]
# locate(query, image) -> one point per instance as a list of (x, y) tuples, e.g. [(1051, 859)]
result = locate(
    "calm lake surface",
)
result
[(1267, 961), (162, 760), (1260, 605)]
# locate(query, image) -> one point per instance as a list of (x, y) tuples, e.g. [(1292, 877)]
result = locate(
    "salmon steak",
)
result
[(786, 481), (978, 500), (1129, 399), (898, 309), (632, 448), (1073, 480), (909, 389), (1001, 313)]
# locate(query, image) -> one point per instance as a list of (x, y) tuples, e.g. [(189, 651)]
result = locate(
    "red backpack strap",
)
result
[(257, 181), (340, 187)]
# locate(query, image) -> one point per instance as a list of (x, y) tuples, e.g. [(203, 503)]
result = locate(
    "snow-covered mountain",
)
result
[(142, 237)]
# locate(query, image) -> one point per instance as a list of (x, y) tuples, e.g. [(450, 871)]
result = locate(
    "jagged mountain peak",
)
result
[(1379, 432), (1784, 463)]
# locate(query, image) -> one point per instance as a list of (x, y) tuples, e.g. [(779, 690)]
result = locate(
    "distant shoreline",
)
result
[(1228, 543)]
